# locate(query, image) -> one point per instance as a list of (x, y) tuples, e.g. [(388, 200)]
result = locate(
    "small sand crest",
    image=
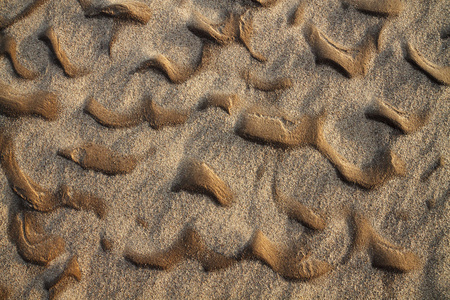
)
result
[(71, 273), (91, 156), (32, 243), (196, 176)]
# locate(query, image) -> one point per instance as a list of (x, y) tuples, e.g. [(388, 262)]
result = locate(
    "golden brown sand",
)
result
[(233, 149)]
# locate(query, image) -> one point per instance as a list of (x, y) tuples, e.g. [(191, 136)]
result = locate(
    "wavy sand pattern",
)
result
[(249, 166), (8, 46)]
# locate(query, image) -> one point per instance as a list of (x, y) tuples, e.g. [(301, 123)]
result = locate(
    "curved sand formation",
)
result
[(440, 74), (288, 263), (255, 125), (15, 104), (123, 9), (384, 254), (227, 102), (384, 112), (328, 51), (150, 111), (196, 176), (235, 28), (309, 131), (382, 7), (112, 119), (204, 28), (159, 117), (39, 198), (96, 157), (69, 69), (189, 246), (81, 201), (297, 211), (245, 36), (35, 196), (174, 72), (383, 168), (114, 33), (8, 46), (32, 243), (381, 34), (297, 17), (4, 23), (71, 273), (119, 10), (265, 85)]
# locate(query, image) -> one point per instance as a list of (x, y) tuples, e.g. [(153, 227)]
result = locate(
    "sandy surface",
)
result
[(397, 210)]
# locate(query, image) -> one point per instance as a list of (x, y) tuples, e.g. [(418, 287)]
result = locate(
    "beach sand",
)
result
[(147, 212)]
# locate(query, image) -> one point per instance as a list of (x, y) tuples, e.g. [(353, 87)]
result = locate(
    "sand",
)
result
[(372, 241)]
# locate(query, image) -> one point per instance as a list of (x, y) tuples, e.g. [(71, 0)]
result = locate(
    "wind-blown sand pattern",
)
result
[(114, 34), (235, 28), (383, 7), (75, 199), (438, 73), (14, 103), (174, 72), (112, 119), (383, 168), (151, 112), (204, 28), (297, 17), (128, 10), (245, 35), (35, 196), (158, 117), (286, 262), (297, 211), (31, 241), (252, 149), (91, 156), (256, 125), (59, 284), (196, 176), (8, 46), (407, 123), (189, 246), (383, 253), (309, 131), (69, 69), (281, 83), (227, 102), (355, 62), (121, 11)]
